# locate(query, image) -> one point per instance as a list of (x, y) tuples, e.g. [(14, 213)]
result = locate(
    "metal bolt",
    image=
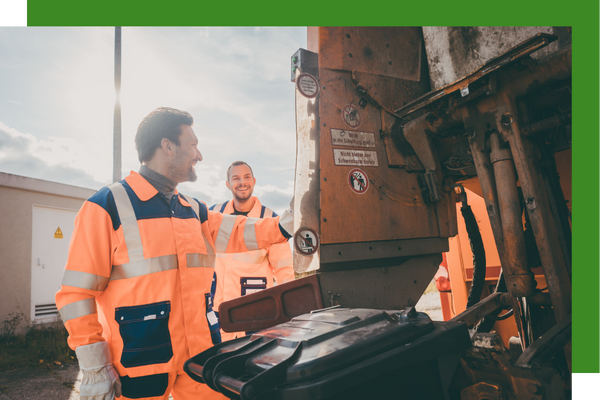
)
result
[(533, 388), (324, 124), (324, 219), (506, 119)]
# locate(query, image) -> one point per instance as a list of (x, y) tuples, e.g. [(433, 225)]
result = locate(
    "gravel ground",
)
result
[(57, 383)]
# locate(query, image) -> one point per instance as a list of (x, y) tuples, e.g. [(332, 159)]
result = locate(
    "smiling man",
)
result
[(241, 274), (136, 290)]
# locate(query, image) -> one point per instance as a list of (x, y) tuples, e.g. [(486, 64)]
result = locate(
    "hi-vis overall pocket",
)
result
[(145, 333), (252, 285)]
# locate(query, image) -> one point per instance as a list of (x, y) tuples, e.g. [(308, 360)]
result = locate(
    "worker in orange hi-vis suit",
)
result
[(244, 273), (135, 295)]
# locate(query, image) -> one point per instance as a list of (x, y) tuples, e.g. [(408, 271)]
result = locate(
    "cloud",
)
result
[(234, 81), (53, 160)]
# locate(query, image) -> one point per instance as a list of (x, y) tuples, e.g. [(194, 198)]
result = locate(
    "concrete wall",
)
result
[(455, 52), (18, 194)]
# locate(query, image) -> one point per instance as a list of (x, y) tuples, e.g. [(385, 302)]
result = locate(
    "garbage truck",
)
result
[(418, 148)]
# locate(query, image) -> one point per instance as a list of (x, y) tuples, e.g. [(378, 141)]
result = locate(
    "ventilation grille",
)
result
[(46, 311)]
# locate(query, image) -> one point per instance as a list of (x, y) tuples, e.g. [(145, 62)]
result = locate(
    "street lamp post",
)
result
[(117, 113)]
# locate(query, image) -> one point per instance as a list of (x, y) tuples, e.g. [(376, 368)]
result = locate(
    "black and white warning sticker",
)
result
[(360, 158), (306, 241), (341, 137), (307, 85), (358, 181), (351, 116)]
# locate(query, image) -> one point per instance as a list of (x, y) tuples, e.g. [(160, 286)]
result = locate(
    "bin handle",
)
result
[(229, 383), (195, 368)]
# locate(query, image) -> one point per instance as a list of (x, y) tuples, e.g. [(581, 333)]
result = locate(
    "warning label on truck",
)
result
[(351, 116), (306, 241), (361, 158), (307, 85), (340, 137), (358, 181)]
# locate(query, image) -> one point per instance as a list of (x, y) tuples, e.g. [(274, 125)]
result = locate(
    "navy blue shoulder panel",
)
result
[(223, 208), (104, 198), (153, 208), (284, 233), (262, 213), (203, 211)]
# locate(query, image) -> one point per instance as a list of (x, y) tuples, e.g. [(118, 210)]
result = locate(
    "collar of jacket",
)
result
[(254, 213), (144, 189)]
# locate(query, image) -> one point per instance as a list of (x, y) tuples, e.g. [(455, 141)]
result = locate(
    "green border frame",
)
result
[(583, 16)]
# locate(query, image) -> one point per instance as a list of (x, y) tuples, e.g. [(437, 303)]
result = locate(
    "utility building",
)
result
[(35, 231)]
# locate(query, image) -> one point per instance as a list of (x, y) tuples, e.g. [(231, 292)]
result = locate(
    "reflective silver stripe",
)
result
[(84, 280), (144, 267), (210, 262), (253, 257), (193, 203), (268, 213), (196, 260), (286, 262), (78, 309), (218, 207), (209, 248), (286, 221), (250, 234), (224, 234), (131, 230)]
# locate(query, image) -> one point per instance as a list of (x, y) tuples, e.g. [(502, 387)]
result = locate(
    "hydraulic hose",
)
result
[(479, 263)]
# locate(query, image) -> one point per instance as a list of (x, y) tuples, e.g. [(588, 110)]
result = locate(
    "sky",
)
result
[(57, 102)]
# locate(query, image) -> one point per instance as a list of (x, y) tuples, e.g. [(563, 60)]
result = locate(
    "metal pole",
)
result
[(117, 113)]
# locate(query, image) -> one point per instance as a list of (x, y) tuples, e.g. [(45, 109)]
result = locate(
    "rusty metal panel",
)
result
[(392, 206), (364, 74), (393, 51), (387, 288)]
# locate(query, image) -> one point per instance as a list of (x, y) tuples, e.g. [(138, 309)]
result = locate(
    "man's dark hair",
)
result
[(164, 122), (235, 164)]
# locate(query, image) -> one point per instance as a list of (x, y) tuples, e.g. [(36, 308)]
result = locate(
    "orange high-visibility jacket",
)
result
[(244, 273), (139, 269)]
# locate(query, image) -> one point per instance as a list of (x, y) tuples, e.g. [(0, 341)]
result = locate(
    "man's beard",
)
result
[(243, 199), (183, 173)]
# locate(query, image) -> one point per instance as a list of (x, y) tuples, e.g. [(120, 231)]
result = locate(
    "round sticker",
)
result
[(358, 181), (307, 85), (351, 116), (306, 241)]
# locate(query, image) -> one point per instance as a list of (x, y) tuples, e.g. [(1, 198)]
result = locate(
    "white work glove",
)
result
[(100, 381), (286, 221)]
